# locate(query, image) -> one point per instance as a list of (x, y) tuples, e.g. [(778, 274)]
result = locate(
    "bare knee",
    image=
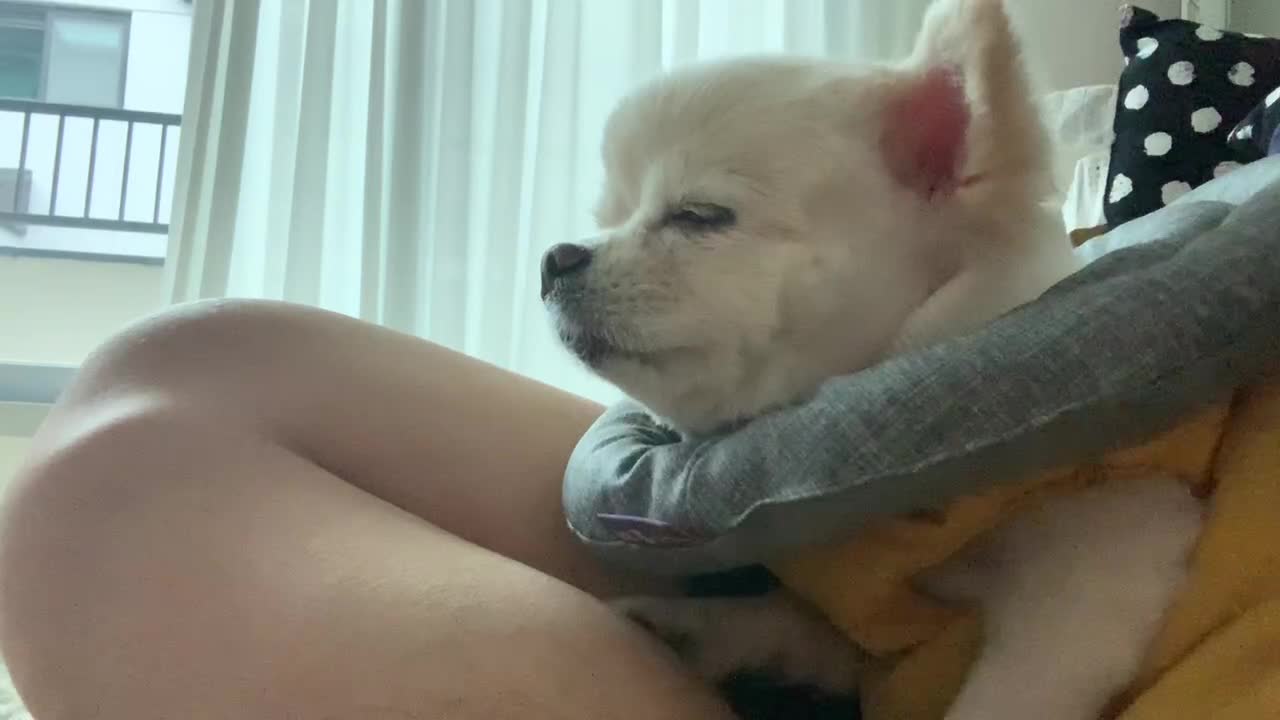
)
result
[(127, 591), (69, 522), (146, 447), (190, 372), (216, 350)]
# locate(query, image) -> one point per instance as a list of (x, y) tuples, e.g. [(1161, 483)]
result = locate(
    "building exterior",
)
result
[(91, 93)]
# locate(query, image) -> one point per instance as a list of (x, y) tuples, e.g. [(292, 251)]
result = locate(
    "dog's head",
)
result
[(769, 223)]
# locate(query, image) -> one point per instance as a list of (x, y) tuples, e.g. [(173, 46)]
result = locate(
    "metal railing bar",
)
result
[(29, 109), (71, 221), (57, 166), (155, 211), (22, 162), (124, 174), (93, 161), (100, 113)]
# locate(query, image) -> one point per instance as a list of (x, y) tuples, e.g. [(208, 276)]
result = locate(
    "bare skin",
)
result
[(252, 511)]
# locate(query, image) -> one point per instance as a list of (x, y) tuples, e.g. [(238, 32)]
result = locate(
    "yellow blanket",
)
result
[(1217, 656)]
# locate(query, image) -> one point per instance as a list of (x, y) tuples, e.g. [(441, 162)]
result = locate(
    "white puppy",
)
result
[(770, 223)]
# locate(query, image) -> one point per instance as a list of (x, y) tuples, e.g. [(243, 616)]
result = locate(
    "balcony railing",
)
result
[(111, 199)]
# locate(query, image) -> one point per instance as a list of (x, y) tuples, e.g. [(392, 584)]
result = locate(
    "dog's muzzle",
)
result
[(561, 263)]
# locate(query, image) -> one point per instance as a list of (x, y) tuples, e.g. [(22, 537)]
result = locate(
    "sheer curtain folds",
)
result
[(407, 161)]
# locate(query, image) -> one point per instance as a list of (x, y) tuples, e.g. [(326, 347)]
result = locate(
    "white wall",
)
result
[(1077, 42), (17, 424), (12, 450), (157, 70), (1256, 16), (55, 311)]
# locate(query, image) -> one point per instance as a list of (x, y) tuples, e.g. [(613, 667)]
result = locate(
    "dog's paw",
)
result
[(773, 635)]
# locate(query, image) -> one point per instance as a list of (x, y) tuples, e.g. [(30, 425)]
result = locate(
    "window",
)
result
[(62, 55), (21, 52), (84, 170)]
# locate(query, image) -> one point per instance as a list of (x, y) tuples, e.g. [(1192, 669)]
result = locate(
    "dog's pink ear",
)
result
[(962, 115), (925, 131)]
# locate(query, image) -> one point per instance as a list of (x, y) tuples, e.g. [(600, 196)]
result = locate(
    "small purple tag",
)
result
[(647, 531)]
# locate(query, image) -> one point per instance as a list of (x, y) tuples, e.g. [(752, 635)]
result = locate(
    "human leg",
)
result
[(258, 511)]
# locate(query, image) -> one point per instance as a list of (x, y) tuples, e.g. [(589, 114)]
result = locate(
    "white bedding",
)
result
[(1079, 121), (10, 707)]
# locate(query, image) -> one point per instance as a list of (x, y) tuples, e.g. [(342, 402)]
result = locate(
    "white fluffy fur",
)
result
[(832, 263)]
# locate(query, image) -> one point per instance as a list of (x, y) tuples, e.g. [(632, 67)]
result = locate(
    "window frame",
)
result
[(49, 13)]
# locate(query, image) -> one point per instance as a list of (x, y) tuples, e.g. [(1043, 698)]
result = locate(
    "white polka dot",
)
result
[(1121, 186), (1273, 96), (1182, 73), (1223, 168), (1158, 144), (1171, 191), (1147, 47), (1208, 34), (1205, 120), (1136, 98), (1241, 74), (1245, 132)]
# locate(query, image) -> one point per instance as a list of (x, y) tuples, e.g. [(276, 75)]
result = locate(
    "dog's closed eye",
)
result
[(698, 217)]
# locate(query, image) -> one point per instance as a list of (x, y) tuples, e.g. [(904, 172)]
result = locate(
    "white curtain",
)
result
[(407, 161)]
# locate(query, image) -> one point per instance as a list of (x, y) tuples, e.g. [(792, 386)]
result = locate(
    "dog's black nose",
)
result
[(562, 260)]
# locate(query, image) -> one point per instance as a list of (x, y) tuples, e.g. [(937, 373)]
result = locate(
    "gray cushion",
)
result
[(1123, 349)]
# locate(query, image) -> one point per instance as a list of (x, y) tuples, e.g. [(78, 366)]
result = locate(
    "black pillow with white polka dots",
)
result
[(1258, 134), (1184, 88)]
